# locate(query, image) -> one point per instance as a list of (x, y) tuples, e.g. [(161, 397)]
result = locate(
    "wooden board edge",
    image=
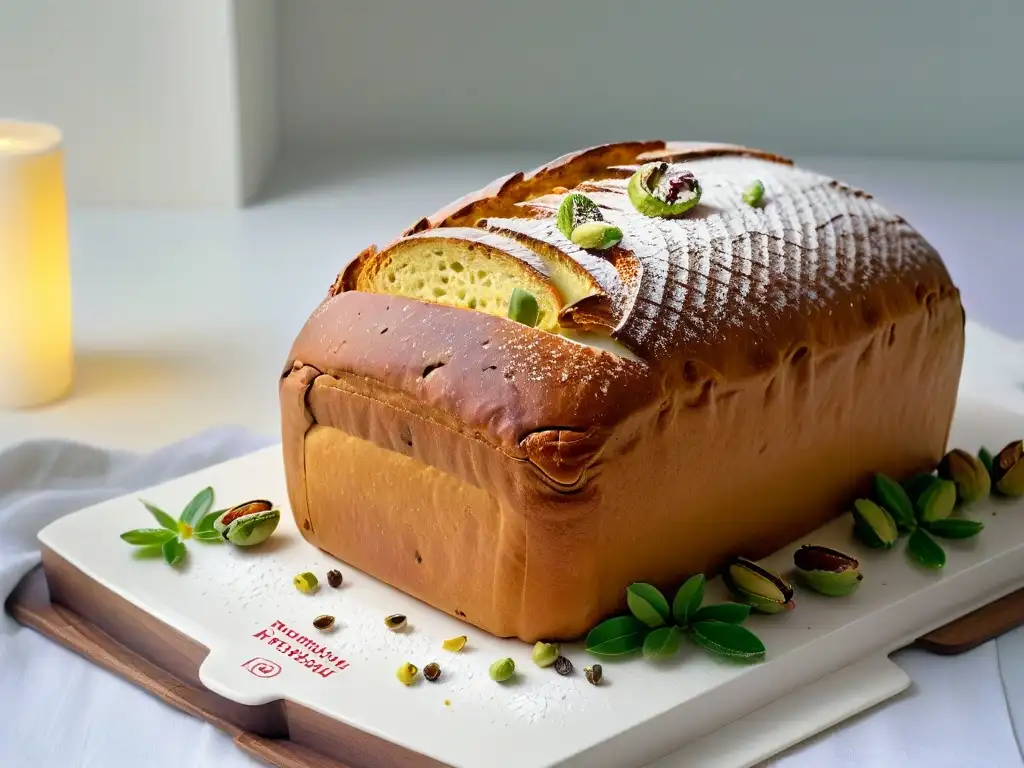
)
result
[(977, 627)]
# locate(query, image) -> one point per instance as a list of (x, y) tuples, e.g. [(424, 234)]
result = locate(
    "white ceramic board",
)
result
[(826, 659)]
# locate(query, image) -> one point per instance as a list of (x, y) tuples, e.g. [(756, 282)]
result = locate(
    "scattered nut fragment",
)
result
[(306, 582), (324, 622), (334, 578), (407, 673), (432, 672), (455, 643), (593, 674), (754, 193), (396, 622), (563, 666), (502, 670)]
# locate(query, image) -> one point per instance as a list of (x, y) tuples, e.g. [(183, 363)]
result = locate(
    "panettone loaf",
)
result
[(715, 384)]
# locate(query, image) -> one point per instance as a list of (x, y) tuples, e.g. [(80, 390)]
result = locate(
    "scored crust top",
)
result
[(725, 267)]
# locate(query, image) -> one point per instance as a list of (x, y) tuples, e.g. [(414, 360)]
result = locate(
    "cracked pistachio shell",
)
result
[(966, 471), (873, 525), (544, 654), (937, 501), (455, 644), (1008, 470), (239, 511), (596, 235), (663, 190), (253, 529), (761, 589), (827, 571)]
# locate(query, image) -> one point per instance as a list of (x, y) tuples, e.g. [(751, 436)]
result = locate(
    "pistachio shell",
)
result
[(873, 525), (596, 235), (454, 644), (239, 511), (937, 501), (1008, 470), (663, 190), (396, 622), (970, 476), (761, 589), (827, 571), (249, 530)]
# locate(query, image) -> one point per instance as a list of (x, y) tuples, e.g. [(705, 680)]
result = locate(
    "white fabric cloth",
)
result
[(59, 711)]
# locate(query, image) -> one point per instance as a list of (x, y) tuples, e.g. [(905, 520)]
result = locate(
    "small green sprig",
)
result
[(195, 522), (657, 629)]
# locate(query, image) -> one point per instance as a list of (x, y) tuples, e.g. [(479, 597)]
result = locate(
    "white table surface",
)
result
[(183, 318)]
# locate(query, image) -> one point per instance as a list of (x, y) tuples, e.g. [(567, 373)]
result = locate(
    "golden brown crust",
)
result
[(770, 360)]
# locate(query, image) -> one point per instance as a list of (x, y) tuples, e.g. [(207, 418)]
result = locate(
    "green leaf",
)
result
[(208, 536), (206, 524), (174, 551), (985, 458), (662, 643), (144, 537), (729, 640), (688, 599), (162, 517), (616, 637), (955, 528), (925, 550), (151, 552), (647, 604), (891, 495), (730, 613), (198, 508)]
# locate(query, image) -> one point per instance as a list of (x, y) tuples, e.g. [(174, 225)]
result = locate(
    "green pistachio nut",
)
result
[(972, 480), (576, 210), (523, 307), (1008, 470), (596, 235), (827, 571), (937, 501), (544, 654), (754, 193), (502, 670), (873, 525), (663, 190), (761, 589), (248, 524)]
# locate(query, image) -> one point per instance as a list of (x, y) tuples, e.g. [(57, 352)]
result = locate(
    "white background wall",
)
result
[(906, 77), (185, 102)]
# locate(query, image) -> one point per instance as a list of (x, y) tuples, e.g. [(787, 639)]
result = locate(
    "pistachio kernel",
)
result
[(937, 502), (324, 622), (334, 578), (1008, 470), (663, 190), (827, 571), (563, 666), (761, 589), (432, 672), (407, 673), (306, 582), (523, 307), (396, 622), (970, 476), (575, 210), (454, 644), (502, 670), (593, 674), (241, 510), (754, 193), (873, 525), (544, 654), (596, 235)]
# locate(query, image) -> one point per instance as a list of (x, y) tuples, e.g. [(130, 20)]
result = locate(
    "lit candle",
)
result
[(36, 358)]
